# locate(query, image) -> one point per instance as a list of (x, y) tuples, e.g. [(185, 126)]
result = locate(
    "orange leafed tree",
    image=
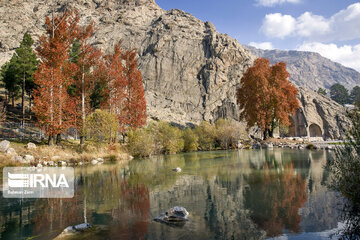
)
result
[(87, 60), (135, 103), (53, 106), (266, 97), (125, 89)]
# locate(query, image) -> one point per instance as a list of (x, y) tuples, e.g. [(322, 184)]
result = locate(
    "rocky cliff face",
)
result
[(311, 70), (190, 71)]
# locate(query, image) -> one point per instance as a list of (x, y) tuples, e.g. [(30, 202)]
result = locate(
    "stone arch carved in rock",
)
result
[(315, 130)]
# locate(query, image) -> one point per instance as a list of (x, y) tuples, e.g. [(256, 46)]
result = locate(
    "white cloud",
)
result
[(343, 25), (262, 45), (278, 25), (308, 24), (347, 55), (271, 3)]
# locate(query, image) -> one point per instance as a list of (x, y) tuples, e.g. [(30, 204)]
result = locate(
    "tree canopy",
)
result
[(17, 74), (339, 93), (354, 97), (266, 97)]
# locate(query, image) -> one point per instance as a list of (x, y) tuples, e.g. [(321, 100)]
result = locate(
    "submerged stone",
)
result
[(174, 216)]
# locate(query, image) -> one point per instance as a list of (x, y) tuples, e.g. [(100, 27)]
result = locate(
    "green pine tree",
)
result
[(339, 93), (321, 91), (355, 96), (25, 64), (8, 73)]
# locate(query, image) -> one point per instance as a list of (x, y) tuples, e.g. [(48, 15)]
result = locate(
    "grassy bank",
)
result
[(69, 151)]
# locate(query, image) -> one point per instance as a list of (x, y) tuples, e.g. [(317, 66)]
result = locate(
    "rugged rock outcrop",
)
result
[(190, 71), (318, 117), (311, 70)]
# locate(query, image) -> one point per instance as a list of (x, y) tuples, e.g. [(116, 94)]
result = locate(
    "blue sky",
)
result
[(330, 27)]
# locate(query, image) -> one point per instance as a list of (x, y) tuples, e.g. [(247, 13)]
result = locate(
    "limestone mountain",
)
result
[(190, 70), (310, 69)]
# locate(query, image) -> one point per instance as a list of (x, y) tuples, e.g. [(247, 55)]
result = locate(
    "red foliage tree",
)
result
[(266, 97), (125, 89), (87, 58), (135, 103), (53, 105)]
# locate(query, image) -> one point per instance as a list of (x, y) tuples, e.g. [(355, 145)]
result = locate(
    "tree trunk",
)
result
[(271, 133), (58, 138), (13, 101), (51, 140), (30, 95), (83, 114), (265, 133), (23, 101)]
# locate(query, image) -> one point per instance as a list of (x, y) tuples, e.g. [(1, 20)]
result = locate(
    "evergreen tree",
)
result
[(25, 64), (339, 93), (321, 91), (8, 73), (355, 95)]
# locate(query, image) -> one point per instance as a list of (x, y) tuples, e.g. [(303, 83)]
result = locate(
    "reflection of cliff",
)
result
[(229, 195), (215, 206), (275, 198), (322, 209)]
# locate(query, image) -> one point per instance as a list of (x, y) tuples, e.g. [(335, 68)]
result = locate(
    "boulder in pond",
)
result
[(4, 145), (174, 216)]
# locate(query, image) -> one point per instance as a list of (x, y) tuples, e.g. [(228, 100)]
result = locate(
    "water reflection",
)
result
[(248, 194), (274, 199)]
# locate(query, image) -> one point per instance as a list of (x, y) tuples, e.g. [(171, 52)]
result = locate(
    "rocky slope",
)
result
[(311, 70), (190, 71)]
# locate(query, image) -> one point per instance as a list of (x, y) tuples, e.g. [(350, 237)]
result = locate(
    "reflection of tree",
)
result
[(275, 198), (132, 215)]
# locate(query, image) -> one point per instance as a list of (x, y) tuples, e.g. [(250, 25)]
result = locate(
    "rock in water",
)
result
[(82, 227), (174, 216), (4, 145)]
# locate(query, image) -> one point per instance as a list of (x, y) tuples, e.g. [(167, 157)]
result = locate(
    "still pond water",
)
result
[(246, 194)]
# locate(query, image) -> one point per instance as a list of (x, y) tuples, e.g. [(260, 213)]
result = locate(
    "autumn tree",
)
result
[(53, 105), (101, 126), (266, 97), (126, 91), (86, 58)]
